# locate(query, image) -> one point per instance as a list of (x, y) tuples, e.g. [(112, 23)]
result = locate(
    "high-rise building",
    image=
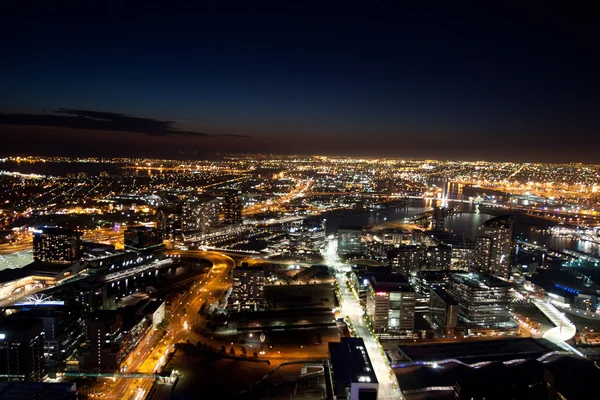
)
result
[(391, 304), (232, 209), (101, 352), (142, 238), (493, 246), (439, 257), (57, 245), (443, 311), (438, 218), (426, 281), (483, 300), (190, 219), (21, 349), (63, 332), (247, 292), (406, 259)]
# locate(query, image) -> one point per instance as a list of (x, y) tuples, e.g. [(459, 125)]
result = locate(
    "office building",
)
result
[(350, 240), (493, 246), (101, 353), (232, 209), (63, 332), (483, 300), (349, 374), (438, 257), (142, 238), (57, 245), (391, 304), (21, 349), (247, 292), (426, 281), (443, 312), (406, 259)]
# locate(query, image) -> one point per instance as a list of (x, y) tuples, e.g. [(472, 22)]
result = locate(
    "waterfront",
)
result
[(464, 222)]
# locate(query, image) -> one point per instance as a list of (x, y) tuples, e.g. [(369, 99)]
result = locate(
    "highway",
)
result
[(300, 190), (150, 354), (388, 384)]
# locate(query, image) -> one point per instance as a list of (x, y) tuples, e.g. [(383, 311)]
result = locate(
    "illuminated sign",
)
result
[(381, 293), (2, 336)]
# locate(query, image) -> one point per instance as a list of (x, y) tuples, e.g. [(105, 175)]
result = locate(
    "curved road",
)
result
[(150, 354)]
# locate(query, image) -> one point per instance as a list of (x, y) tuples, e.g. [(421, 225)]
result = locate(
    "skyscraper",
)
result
[(232, 208), (493, 246), (57, 245)]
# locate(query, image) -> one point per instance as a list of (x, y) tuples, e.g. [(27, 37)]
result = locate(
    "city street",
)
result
[(388, 385)]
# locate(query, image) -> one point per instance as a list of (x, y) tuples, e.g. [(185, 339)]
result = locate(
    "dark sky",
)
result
[(503, 82)]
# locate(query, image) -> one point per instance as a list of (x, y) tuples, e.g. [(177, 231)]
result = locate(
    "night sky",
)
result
[(497, 82)]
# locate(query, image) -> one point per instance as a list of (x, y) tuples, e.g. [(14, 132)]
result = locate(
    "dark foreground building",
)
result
[(351, 373), (21, 349)]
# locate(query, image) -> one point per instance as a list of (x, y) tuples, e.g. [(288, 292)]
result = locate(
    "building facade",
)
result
[(57, 245), (483, 300), (350, 240), (247, 293), (391, 305), (443, 312), (493, 246), (21, 349)]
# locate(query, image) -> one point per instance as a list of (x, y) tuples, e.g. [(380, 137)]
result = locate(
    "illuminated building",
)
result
[(200, 216), (63, 331), (248, 289), (391, 304), (142, 238), (350, 372), (406, 259), (443, 311), (426, 281), (483, 300), (57, 245), (350, 240), (21, 349), (493, 246), (439, 257), (232, 209)]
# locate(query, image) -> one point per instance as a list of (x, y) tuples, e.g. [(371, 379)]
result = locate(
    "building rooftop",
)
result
[(58, 231), (473, 351), (479, 280), (390, 283), (350, 361), (445, 296)]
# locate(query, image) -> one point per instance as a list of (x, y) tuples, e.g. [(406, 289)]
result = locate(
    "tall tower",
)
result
[(493, 246), (232, 209)]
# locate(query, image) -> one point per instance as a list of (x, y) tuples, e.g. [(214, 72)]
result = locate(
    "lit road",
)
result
[(150, 354), (300, 190), (388, 384)]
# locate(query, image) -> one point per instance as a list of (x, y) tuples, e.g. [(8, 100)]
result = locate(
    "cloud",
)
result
[(102, 121)]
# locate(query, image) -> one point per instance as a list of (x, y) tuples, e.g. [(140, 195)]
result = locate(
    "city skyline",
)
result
[(494, 83)]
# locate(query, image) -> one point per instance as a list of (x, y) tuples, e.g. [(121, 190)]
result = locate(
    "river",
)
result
[(465, 223)]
